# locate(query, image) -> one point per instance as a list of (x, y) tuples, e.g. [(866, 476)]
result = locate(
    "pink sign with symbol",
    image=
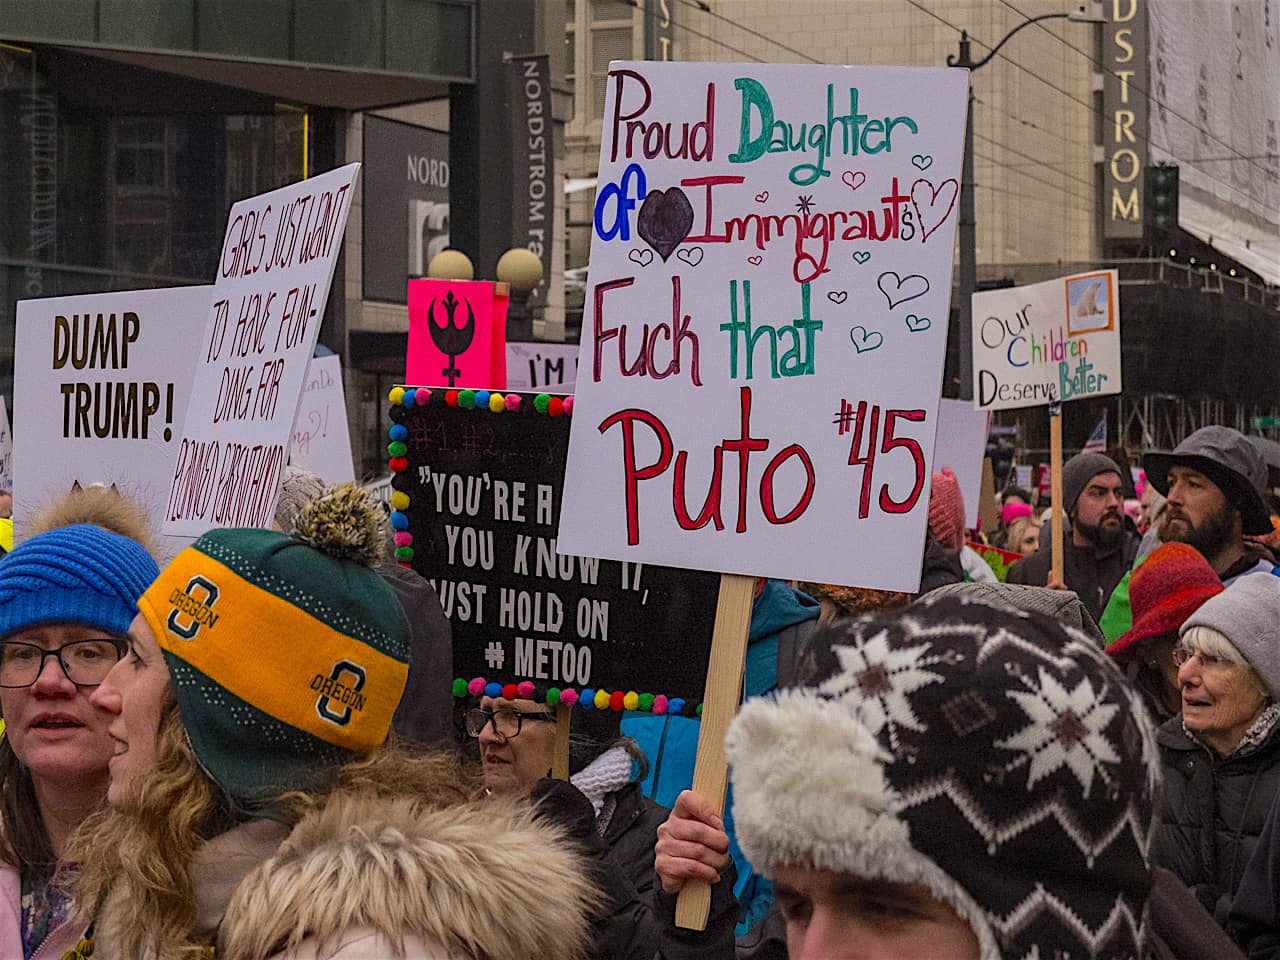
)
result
[(457, 334)]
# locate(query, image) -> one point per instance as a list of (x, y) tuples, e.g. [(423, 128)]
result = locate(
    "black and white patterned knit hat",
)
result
[(990, 754)]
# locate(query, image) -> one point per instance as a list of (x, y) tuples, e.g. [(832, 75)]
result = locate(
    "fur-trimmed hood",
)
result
[(368, 876)]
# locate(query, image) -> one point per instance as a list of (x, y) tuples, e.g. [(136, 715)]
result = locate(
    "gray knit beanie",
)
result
[(1079, 470), (298, 488), (1247, 613)]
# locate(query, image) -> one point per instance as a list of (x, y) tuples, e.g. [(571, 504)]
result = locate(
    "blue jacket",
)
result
[(671, 743)]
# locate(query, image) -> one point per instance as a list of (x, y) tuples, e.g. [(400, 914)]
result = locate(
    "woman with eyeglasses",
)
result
[(67, 597), (1221, 753)]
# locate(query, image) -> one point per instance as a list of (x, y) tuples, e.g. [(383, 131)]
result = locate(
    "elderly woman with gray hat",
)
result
[(1221, 753)]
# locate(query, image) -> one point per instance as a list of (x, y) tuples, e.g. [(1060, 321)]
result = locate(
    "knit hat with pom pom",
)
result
[(946, 510), (287, 654)]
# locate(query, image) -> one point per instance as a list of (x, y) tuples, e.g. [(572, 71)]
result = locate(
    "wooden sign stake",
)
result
[(560, 757), (719, 704), (1055, 486)]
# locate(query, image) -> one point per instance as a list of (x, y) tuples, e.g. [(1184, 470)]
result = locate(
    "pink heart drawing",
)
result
[(762, 196), (940, 198), (755, 261), (853, 179)]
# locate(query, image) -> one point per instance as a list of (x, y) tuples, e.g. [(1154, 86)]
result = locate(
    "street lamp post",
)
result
[(968, 230)]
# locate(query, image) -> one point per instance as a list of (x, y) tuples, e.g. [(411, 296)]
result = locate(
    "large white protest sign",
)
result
[(321, 442), (542, 366), (1052, 341), (765, 320), (273, 280), (6, 449), (100, 388), (961, 445)]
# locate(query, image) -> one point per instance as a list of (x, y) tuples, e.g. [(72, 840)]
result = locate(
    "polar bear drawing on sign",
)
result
[(1088, 306)]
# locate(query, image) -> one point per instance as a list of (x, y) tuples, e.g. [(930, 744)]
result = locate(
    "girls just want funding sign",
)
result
[(1046, 342), (762, 349)]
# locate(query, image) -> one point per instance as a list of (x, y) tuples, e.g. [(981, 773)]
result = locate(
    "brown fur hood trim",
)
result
[(483, 880), (105, 507)]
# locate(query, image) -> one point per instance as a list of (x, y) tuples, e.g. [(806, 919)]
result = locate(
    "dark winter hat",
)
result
[(993, 755), (287, 654), (76, 574), (1168, 587), (1227, 458), (1079, 470)]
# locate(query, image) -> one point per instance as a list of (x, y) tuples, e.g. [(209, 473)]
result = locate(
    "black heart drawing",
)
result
[(665, 219), (690, 255), (898, 290), (837, 296), (642, 257)]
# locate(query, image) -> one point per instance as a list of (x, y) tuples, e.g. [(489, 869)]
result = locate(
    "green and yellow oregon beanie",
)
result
[(287, 654)]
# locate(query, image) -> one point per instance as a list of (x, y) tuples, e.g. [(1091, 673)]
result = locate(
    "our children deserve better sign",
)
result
[(1047, 342), (274, 273), (100, 389), (765, 320)]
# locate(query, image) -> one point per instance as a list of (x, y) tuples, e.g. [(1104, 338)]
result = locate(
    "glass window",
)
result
[(167, 24), (602, 10), (421, 37), (98, 200), (347, 32), (607, 44)]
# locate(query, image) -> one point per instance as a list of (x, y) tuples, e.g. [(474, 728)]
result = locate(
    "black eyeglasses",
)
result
[(85, 663), (506, 723)]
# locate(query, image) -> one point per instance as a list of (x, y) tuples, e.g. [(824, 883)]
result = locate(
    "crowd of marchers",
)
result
[(252, 750)]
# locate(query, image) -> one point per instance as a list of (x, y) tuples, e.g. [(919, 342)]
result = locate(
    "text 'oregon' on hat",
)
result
[(287, 654), (990, 754), (1228, 459)]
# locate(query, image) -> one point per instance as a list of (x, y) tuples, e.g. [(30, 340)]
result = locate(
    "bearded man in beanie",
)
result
[(1099, 548), (1215, 483)]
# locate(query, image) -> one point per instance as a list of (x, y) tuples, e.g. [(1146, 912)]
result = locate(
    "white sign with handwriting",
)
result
[(321, 442)]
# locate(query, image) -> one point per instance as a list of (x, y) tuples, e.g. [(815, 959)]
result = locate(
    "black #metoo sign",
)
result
[(485, 493)]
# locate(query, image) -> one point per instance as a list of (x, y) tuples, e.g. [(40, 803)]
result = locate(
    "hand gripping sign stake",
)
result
[(724, 686)]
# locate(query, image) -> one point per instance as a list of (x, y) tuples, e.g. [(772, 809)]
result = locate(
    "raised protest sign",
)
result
[(100, 388), (478, 498), (274, 272), (542, 366), (321, 442), (765, 320), (457, 333), (6, 449), (961, 445), (1052, 341)]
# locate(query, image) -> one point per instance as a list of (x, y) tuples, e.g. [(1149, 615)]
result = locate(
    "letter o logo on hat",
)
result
[(343, 685)]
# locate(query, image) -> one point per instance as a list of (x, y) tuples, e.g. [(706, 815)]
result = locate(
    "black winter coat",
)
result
[(632, 834), (1091, 575), (1212, 812)]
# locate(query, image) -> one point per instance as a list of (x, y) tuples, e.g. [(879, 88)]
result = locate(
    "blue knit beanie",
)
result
[(76, 574)]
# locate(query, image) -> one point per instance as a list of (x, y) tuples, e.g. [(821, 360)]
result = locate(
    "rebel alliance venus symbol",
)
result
[(451, 340)]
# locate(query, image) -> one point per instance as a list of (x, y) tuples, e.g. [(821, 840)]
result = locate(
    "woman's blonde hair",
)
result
[(134, 878)]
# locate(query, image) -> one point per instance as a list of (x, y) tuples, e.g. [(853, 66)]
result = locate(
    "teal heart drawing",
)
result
[(916, 324), (864, 341), (861, 256), (922, 161)]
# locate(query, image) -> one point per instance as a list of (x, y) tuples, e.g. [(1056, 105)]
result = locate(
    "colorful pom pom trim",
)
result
[(488, 401), (589, 698)]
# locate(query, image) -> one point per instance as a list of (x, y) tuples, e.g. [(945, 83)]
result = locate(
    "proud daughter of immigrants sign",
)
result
[(765, 322)]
